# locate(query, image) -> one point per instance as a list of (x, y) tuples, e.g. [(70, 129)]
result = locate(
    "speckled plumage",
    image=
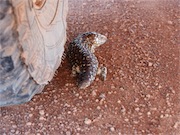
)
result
[(82, 59)]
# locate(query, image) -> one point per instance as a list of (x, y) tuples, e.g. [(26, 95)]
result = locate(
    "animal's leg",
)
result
[(75, 70), (102, 73)]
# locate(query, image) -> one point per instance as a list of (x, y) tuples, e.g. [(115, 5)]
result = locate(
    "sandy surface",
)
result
[(141, 95)]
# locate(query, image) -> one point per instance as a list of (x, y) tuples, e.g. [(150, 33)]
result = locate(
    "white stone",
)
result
[(29, 124), (87, 121), (41, 112)]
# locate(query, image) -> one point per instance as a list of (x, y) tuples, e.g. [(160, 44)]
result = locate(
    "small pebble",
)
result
[(42, 118), (13, 130), (68, 133), (170, 22), (94, 93), (17, 132), (30, 115), (14, 126), (121, 89), (102, 96), (105, 27), (176, 125), (29, 124), (148, 113), (41, 112), (87, 121), (150, 64), (113, 87), (137, 109), (116, 20), (119, 101), (112, 129), (78, 129), (126, 119)]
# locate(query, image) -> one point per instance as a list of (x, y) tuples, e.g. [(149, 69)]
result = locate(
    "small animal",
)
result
[(84, 63)]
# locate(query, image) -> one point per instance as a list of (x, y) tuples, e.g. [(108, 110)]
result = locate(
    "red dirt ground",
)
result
[(142, 90)]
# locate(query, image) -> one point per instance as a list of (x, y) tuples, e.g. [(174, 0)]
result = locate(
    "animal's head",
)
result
[(93, 39)]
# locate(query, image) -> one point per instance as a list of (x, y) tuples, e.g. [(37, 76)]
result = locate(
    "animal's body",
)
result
[(84, 63)]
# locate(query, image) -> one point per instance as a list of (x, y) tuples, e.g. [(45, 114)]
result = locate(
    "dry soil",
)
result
[(141, 95)]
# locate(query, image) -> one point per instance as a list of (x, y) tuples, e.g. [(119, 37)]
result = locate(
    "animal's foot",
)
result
[(102, 72)]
